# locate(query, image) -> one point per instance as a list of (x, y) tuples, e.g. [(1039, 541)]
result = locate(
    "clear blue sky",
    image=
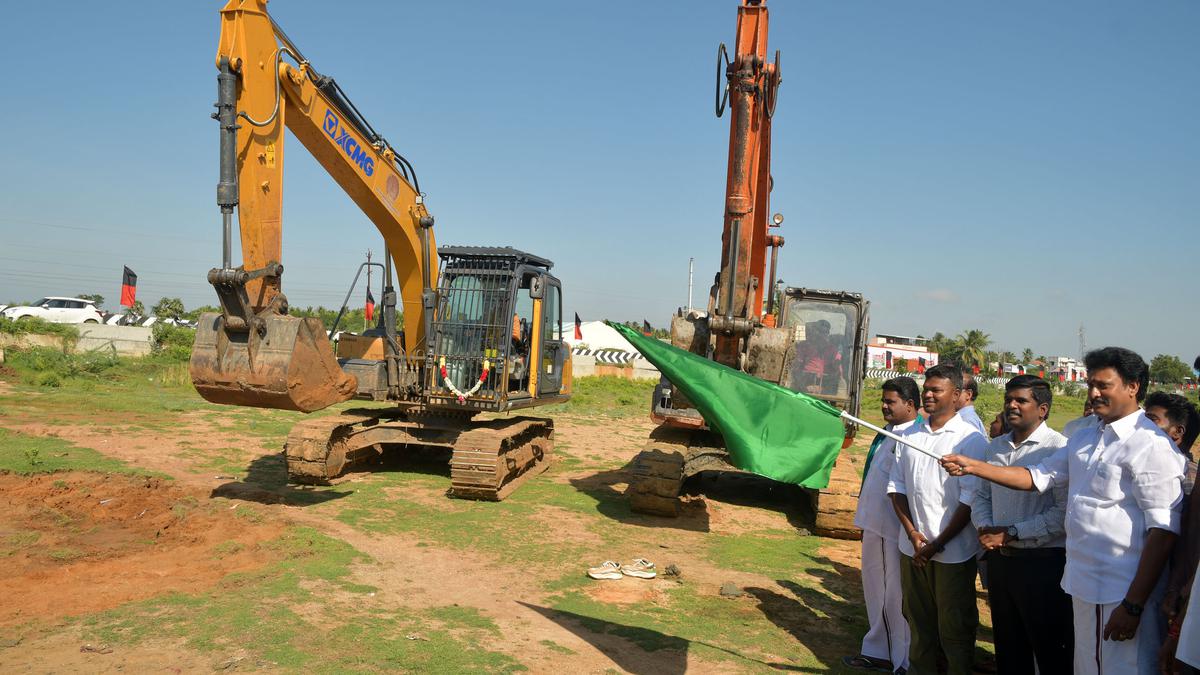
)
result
[(1020, 167)]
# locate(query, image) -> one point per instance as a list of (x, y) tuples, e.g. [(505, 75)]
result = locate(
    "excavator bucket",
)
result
[(287, 364)]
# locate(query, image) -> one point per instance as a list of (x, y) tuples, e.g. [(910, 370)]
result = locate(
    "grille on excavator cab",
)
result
[(474, 324)]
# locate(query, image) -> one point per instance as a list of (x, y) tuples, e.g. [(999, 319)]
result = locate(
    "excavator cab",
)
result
[(497, 332), (828, 342)]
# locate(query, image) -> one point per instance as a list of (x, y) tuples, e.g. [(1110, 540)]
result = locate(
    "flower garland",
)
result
[(462, 395)]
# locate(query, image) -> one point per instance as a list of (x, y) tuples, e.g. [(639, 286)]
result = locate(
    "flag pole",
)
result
[(899, 439)]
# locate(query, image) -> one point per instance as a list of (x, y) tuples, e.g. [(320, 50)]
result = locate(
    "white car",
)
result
[(57, 310)]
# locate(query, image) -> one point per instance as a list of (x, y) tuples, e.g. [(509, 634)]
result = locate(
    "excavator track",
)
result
[(836, 504), (672, 454), (489, 458), (668, 458)]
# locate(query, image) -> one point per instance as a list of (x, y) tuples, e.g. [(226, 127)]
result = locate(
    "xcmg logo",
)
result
[(353, 150)]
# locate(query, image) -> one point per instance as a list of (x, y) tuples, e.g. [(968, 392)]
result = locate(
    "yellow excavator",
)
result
[(480, 328)]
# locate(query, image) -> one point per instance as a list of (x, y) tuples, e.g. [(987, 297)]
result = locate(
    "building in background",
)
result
[(900, 353), (1065, 369)]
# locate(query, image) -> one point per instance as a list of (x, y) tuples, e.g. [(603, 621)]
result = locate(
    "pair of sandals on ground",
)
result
[(611, 569)]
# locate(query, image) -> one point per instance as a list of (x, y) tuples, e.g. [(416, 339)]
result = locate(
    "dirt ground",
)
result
[(103, 540)]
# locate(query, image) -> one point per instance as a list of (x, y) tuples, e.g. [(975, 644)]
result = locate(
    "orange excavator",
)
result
[(468, 330), (805, 339)]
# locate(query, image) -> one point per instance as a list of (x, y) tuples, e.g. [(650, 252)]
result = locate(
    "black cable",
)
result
[(342, 102)]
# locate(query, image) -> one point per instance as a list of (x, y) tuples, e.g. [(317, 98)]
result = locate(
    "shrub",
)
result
[(48, 367), (34, 326), (173, 342)]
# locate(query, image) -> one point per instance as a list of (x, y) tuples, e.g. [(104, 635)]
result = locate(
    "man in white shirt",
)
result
[(937, 563), (885, 646), (1123, 502), (966, 401), (1086, 421), (1023, 534)]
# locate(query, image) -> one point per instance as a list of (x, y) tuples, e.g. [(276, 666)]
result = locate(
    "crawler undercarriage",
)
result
[(490, 458)]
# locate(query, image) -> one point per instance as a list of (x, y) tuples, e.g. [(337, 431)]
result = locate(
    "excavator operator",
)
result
[(819, 360)]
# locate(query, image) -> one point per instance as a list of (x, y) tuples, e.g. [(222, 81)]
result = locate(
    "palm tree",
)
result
[(972, 346), (1027, 356), (943, 346)]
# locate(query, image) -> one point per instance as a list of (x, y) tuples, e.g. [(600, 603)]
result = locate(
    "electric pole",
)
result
[(368, 287), (691, 263)]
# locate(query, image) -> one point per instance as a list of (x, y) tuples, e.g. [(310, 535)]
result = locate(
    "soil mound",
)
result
[(79, 542)]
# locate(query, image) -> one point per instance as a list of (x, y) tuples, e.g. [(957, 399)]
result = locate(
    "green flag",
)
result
[(768, 430)]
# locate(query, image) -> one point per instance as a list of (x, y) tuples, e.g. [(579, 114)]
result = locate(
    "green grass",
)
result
[(514, 529), (257, 612), (606, 397), (10, 544), (25, 454), (692, 620), (35, 326), (775, 553), (1064, 408)]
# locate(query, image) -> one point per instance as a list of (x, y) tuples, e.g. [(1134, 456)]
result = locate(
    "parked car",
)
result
[(57, 310)]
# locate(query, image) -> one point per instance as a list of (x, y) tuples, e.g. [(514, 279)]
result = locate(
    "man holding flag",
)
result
[(885, 646), (937, 565)]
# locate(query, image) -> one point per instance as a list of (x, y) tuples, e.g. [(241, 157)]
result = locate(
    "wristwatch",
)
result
[(1132, 608), (1012, 532)]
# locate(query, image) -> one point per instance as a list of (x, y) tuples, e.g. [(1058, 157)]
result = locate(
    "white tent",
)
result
[(596, 335)]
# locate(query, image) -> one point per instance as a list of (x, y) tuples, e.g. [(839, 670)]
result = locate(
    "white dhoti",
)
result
[(1096, 656), (888, 637)]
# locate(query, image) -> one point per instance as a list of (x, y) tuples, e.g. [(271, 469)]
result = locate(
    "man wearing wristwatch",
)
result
[(937, 542), (1023, 538), (1123, 511)]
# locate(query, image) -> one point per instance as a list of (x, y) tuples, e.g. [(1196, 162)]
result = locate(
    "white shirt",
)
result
[(934, 495), (971, 417), (1037, 517), (875, 512), (1188, 650), (1123, 478), (1085, 422)]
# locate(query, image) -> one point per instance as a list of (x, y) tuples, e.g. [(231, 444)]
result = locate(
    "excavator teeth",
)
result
[(489, 459)]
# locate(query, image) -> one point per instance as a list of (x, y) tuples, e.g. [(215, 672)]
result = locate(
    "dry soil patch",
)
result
[(81, 542)]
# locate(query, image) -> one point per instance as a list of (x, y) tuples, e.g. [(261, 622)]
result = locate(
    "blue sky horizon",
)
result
[(1021, 168)]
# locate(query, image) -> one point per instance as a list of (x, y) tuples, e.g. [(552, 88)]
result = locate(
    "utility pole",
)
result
[(368, 287), (1082, 343), (691, 263)]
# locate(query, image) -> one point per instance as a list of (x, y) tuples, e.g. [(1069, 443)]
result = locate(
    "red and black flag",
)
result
[(578, 327), (646, 329), (370, 307), (128, 288)]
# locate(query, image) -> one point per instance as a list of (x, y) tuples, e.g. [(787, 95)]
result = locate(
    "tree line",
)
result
[(970, 348), (174, 309)]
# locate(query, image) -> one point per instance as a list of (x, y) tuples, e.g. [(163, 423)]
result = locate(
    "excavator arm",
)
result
[(253, 353), (736, 305)]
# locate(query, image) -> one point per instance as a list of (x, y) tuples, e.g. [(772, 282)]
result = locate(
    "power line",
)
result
[(103, 229)]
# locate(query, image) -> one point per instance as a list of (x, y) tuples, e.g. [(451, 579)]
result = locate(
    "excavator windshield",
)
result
[(824, 335)]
